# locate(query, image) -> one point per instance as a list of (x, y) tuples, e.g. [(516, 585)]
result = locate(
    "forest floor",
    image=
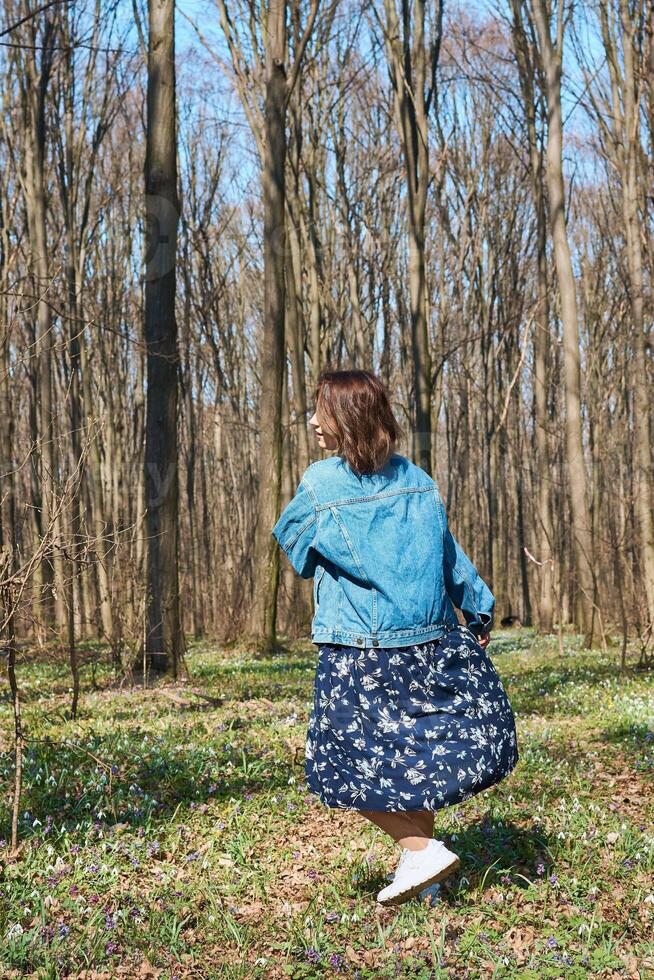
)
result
[(167, 833)]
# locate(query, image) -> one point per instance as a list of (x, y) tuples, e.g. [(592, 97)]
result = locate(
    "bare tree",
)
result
[(524, 47), (413, 64), (617, 114), (551, 54), (164, 637)]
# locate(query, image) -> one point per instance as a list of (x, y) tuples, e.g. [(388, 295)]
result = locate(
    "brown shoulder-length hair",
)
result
[(353, 407)]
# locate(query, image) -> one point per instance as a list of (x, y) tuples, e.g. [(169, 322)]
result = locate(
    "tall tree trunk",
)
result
[(272, 349), (582, 542), (544, 530), (35, 79), (164, 639), (629, 173), (410, 68)]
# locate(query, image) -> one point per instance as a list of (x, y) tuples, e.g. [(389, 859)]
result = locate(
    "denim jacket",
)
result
[(386, 569)]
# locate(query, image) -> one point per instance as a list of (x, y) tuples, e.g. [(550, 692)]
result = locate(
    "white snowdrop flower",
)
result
[(15, 930)]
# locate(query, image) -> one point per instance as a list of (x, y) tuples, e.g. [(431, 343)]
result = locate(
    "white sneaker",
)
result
[(417, 870)]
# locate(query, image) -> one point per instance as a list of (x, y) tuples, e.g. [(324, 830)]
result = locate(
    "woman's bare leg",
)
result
[(411, 830), (424, 819)]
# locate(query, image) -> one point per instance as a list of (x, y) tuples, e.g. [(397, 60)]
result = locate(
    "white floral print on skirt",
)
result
[(418, 727)]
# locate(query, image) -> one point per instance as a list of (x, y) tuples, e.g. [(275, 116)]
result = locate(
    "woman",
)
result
[(409, 714)]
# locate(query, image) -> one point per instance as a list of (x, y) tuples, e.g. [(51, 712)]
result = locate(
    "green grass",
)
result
[(166, 828)]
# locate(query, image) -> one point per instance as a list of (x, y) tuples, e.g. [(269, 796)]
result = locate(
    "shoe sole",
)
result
[(414, 890)]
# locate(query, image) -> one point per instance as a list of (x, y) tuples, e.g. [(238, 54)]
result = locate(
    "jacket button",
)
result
[(375, 643), (358, 639)]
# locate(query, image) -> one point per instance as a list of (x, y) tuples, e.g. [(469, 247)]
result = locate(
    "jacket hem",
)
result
[(394, 638)]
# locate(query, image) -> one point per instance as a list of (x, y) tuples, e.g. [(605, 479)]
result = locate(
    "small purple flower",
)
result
[(505, 879), (540, 868), (111, 947), (552, 943), (336, 961), (63, 930), (313, 874), (554, 881), (75, 849), (109, 922), (93, 899), (313, 955), (73, 891), (332, 917), (3, 842)]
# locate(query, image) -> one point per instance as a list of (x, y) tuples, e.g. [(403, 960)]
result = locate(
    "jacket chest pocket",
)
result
[(320, 571)]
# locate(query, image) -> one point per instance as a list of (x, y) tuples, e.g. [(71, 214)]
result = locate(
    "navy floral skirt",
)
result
[(408, 728)]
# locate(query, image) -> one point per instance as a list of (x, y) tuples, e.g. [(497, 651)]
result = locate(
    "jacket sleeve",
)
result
[(464, 584), (296, 532)]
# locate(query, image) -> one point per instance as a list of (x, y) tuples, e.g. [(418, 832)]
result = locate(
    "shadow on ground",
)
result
[(635, 739), (174, 778), (538, 686), (489, 850)]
